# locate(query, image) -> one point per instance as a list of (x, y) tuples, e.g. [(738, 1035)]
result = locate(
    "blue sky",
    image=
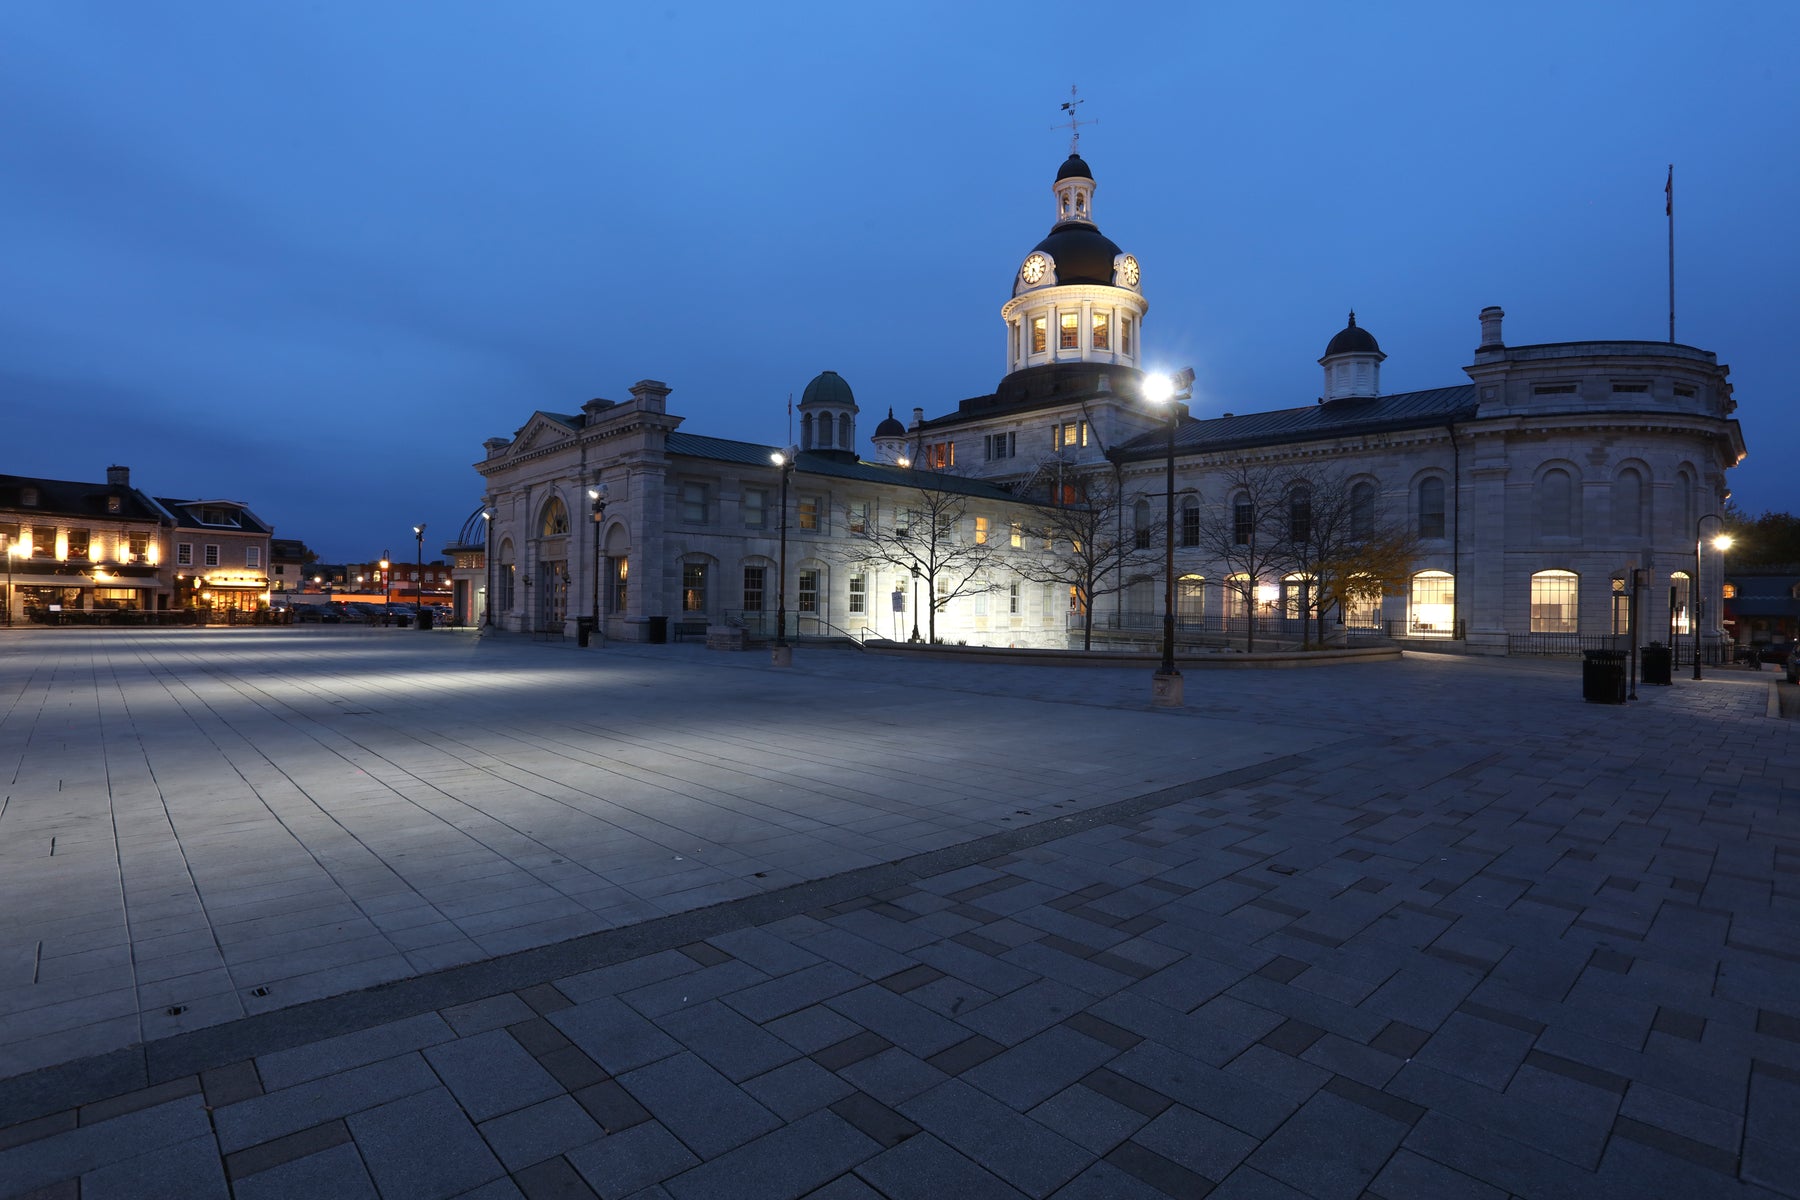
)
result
[(309, 255)]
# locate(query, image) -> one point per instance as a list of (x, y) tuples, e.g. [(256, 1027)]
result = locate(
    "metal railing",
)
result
[(759, 626)]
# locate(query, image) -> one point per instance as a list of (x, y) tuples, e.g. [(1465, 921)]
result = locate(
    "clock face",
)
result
[(1034, 269), (1128, 271)]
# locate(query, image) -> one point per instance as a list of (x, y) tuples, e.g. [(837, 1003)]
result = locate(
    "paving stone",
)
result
[(1012, 1146), (1039, 1067), (899, 1020), (1089, 1119), (622, 1163), (336, 1173), (76, 1152), (1103, 1181), (788, 1162), (1408, 1176), (797, 1088), (490, 1073), (553, 1179), (1165, 1175), (270, 1154), (1240, 1103), (924, 1168), (790, 993), (423, 1146), (494, 1012), (705, 1110), (188, 1170), (531, 1135), (285, 1068), (613, 1035), (611, 1106), (1330, 1148), (733, 1046)]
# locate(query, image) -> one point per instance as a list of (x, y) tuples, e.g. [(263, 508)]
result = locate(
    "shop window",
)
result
[(1433, 608), (1553, 602)]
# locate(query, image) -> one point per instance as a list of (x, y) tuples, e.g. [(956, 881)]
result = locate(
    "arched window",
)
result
[(1190, 599), (1238, 590), (846, 436), (1554, 607), (1299, 515), (1553, 503), (1296, 596), (1190, 521), (1628, 504), (1362, 510), (1433, 608), (1431, 507), (554, 521), (1140, 523), (1680, 601), (806, 431)]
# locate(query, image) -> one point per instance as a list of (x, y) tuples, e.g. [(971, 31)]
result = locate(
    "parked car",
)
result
[(1792, 666)]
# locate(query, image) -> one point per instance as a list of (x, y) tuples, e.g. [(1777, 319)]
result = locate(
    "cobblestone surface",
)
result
[(1424, 929)]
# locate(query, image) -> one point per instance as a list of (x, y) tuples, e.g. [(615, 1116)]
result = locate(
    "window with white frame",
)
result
[(754, 579), (755, 507), (859, 516), (981, 531), (1069, 337), (1001, 445), (809, 512), (211, 556), (1018, 535), (1433, 608), (1099, 330), (1012, 599), (809, 590), (859, 594), (1554, 596), (184, 554), (1190, 521), (253, 558), (693, 503)]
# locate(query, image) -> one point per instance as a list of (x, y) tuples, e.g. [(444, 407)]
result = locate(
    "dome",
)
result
[(1082, 254), (1352, 340), (828, 388), (474, 530), (1074, 168), (890, 427)]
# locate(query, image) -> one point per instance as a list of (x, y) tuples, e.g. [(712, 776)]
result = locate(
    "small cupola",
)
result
[(828, 415), (1352, 363), (890, 439)]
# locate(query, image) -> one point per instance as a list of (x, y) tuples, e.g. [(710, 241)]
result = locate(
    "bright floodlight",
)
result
[(1158, 389), (593, 494), (1722, 542), (778, 458)]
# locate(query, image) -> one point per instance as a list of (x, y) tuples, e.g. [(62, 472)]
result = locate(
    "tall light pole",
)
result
[(12, 552), (419, 590), (387, 591), (597, 496), (1721, 543), (1166, 684), (783, 654), (487, 565)]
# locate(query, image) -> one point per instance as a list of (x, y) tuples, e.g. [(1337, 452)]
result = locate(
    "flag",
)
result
[(1669, 193)]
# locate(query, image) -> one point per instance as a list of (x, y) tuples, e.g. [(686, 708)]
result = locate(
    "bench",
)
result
[(689, 628)]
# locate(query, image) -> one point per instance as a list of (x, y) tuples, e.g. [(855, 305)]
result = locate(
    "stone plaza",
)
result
[(375, 912)]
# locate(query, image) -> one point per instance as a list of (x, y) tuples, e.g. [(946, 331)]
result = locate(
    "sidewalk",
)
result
[(1434, 928)]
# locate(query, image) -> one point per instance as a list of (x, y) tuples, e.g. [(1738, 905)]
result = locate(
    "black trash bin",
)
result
[(425, 618), (659, 630), (1603, 676), (1657, 664), (584, 629)]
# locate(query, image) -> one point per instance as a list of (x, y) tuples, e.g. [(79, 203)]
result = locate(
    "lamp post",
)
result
[(419, 588), (12, 552), (597, 496), (1721, 542), (387, 591), (783, 654), (1166, 684), (915, 579), (487, 566)]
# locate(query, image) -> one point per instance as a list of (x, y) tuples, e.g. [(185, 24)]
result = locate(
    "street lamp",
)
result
[(1166, 684), (419, 580), (783, 654), (915, 578), (487, 566), (387, 591), (12, 552), (597, 495), (1721, 542)]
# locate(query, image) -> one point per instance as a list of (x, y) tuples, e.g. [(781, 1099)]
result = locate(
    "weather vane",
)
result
[(1074, 123)]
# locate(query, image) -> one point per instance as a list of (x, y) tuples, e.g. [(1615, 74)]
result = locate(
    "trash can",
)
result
[(1658, 663), (425, 618), (659, 630), (1603, 676), (584, 629)]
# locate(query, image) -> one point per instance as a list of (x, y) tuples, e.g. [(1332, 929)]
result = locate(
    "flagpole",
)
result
[(1669, 210)]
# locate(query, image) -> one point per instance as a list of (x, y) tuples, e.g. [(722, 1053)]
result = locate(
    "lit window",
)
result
[(809, 591), (1553, 602), (1018, 535), (1069, 337), (620, 576), (1069, 435), (1125, 335), (981, 531), (1678, 618), (556, 518), (809, 512), (940, 455), (859, 516), (1101, 332), (1433, 605), (693, 587), (1040, 334), (115, 504), (1621, 606)]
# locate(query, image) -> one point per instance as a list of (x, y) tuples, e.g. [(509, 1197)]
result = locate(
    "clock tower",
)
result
[(1077, 298)]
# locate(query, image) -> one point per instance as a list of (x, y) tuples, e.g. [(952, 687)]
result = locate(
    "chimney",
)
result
[(918, 417), (652, 395), (1490, 329), (495, 445), (595, 407), (119, 477)]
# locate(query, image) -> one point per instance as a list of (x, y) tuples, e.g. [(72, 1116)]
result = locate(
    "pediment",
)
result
[(538, 433)]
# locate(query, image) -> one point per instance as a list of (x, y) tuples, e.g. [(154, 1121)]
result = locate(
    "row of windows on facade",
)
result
[(50, 542), (1068, 332), (184, 555)]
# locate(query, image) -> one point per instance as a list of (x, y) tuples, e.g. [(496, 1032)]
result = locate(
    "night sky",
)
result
[(309, 255)]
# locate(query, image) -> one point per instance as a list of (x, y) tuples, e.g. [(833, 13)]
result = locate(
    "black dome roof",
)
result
[(1074, 168), (890, 427), (1082, 254), (1352, 340)]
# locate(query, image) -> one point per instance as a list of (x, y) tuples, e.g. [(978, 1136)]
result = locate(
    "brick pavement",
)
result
[(1462, 936)]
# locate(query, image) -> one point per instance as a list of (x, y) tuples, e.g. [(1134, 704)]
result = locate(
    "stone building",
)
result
[(1540, 488), (75, 546)]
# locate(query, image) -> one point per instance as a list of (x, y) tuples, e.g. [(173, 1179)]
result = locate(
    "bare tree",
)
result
[(1340, 544), (1087, 544), (1247, 532), (930, 537)]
